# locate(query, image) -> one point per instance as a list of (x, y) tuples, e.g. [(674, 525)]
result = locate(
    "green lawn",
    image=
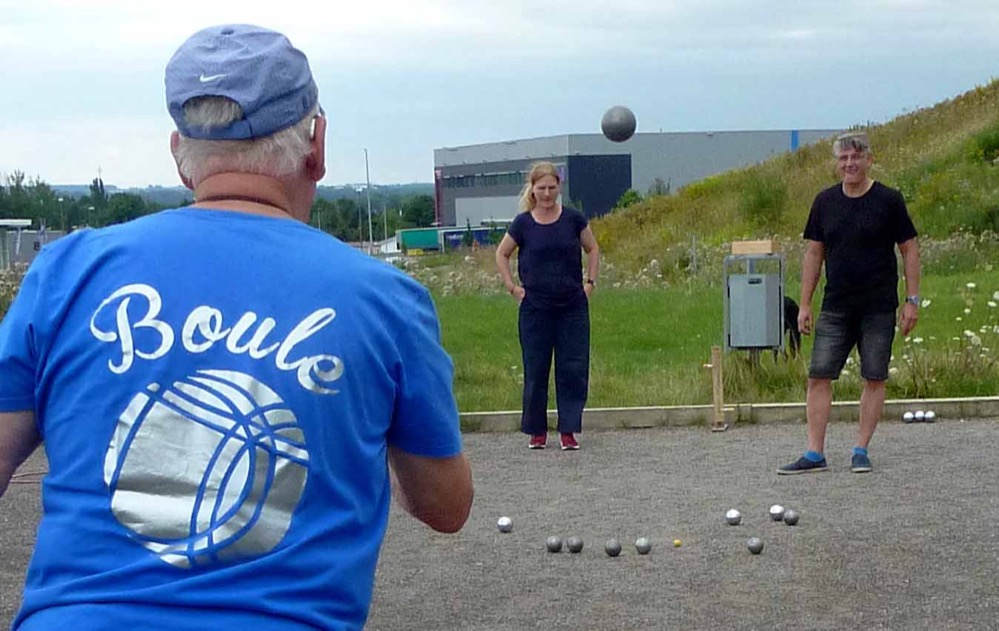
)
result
[(649, 347)]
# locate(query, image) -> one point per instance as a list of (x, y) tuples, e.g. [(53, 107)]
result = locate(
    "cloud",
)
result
[(404, 77)]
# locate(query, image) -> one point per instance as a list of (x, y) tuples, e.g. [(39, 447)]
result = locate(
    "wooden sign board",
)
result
[(766, 246)]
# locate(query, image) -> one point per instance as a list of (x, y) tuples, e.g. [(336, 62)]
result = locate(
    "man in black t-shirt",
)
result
[(854, 228)]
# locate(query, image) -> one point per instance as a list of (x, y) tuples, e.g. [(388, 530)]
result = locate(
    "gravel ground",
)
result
[(913, 545)]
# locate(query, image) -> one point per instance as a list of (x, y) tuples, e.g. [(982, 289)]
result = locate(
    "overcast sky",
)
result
[(81, 81)]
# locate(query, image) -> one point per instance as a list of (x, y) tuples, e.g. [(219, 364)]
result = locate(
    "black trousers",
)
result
[(564, 332)]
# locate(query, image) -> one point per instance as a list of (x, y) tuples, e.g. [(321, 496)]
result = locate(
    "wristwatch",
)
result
[(912, 300)]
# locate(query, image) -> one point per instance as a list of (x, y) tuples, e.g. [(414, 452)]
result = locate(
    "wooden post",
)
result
[(718, 392)]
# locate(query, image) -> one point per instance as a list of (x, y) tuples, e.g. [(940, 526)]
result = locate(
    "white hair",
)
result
[(853, 141), (277, 155)]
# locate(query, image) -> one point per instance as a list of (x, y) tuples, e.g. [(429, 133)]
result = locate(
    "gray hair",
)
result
[(854, 141), (277, 155)]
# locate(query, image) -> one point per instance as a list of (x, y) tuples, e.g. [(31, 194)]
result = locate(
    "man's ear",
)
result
[(315, 162), (174, 144)]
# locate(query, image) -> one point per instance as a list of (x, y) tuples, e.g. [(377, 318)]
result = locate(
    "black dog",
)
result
[(791, 327)]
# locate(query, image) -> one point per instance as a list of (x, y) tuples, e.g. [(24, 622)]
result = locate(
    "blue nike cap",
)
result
[(257, 68)]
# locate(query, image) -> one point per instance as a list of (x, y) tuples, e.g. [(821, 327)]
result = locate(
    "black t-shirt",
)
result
[(549, 259), (859, 235)]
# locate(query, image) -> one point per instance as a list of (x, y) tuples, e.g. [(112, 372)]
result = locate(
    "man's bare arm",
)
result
[(811, 270), (437, 491), (18, 439), (909, 314)]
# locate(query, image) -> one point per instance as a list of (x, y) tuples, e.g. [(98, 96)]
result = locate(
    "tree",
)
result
[(630, 196), (124, 207), (418, 211), (98, 196), (16, 199)]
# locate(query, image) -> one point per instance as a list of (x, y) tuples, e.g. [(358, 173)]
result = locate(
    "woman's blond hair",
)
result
[(538, 171)]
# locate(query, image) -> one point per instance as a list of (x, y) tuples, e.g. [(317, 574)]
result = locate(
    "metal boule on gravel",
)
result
[(791, 517), (612, 547), (755, 545), (554, 544), (574, 545), (643, 545)]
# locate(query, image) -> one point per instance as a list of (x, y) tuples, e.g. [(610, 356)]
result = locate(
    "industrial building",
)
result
[(480, 184)]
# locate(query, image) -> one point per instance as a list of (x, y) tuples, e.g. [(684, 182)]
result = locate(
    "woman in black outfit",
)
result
[(554, 303)]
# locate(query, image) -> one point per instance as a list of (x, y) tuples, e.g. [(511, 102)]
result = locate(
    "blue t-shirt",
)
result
[(549, 259), (217, 392)]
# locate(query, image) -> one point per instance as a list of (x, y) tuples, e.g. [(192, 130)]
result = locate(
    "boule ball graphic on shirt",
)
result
[(208, 470)]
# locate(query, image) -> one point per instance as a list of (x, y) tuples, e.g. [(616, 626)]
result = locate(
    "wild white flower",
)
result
[(970, 285), (967, 311), (968, 333), (958, 318), (995, 295), (849, 361), (983, 329), (975, 340), (845, 373), (992, 304), (917, 340), (893, 371), (926, 301)]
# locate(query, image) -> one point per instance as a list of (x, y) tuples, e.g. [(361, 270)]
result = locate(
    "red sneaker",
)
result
[(569, 442), (538, 441)]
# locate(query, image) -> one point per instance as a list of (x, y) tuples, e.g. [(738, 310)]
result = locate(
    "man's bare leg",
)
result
[(872, 407), (818, 405)]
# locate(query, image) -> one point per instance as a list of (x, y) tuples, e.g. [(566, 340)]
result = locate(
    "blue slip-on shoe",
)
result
[(803, 465), (860, 464)]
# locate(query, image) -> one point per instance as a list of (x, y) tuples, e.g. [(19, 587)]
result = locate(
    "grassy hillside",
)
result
[(942, 158)]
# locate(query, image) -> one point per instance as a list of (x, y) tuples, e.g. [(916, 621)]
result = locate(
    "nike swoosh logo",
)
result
[(214, 77)]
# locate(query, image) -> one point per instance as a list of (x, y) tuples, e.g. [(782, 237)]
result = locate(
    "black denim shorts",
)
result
[(837, 333)]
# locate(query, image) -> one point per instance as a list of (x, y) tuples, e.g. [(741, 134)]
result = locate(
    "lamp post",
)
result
[(360, 226), (367, 179)]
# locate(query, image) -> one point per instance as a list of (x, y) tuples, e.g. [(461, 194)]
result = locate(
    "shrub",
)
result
[(763, 200)]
